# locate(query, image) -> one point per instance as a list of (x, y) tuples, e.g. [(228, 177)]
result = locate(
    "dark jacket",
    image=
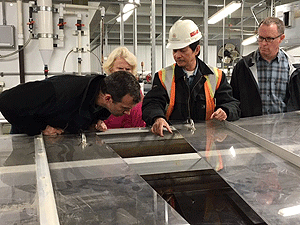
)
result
[(66, 102), (246, 90), (156, 99)]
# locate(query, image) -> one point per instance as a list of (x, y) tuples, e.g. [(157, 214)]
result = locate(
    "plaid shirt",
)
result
[(273, 79)]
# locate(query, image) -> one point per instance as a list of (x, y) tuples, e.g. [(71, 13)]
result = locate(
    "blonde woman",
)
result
[(122, 59)]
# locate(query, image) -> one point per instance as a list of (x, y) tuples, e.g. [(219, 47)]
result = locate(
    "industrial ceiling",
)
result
[(233, 27)]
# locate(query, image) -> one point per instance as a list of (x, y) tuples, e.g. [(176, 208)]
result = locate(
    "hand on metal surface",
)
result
[(101, 126), (220, 115), (52, 131), (158, 127)]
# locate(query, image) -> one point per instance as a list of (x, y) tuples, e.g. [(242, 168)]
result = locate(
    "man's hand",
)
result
[(51, 131), (101, 126), (219, 115), (158, 127)]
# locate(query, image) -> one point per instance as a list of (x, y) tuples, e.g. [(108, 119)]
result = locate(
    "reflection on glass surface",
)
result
[(266, 182), (290, 211), (281, 129), (94, 185), (18, 196)]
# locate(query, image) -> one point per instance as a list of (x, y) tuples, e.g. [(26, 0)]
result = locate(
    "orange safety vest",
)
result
[(212, 83)]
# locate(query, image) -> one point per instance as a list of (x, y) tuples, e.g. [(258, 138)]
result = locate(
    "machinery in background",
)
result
[(290, 15), (48, 29), (228, 53)]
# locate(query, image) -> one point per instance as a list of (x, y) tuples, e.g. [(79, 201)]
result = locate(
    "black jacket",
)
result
[(66, 102), (246, 90), (157, 98)]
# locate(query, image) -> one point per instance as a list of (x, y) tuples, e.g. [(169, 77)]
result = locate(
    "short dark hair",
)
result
[(121, 83), (273, 20), (194, 45)]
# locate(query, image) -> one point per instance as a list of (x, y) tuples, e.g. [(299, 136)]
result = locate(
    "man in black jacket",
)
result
[(189, 90), (68, 103), (266, 81)]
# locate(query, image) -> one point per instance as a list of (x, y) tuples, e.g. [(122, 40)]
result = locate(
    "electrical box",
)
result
[(7, 36)]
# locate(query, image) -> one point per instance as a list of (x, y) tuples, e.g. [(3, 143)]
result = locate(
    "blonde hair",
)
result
[(124, 53)]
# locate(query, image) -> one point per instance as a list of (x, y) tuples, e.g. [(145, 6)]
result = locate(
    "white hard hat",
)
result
[(182, 34)]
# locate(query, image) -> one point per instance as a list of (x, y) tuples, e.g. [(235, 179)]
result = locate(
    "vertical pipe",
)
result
[(20, 41), (79, 46), (21, 64), (121, 25), (61, 25), (242, 28), (101, 42), (164, 10), (223, 42), (106, 41), (152, 23), (102, 38), (45, 27), (205, 38), (272, 8), (135, 31), (3, 12)]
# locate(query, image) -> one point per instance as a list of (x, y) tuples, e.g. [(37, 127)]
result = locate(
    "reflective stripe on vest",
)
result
[(210, 86), (167, 78)]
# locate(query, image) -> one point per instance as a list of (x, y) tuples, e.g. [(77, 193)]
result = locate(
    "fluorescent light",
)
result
[(230, 8), (128, 10), (249, 40), (290, 211)]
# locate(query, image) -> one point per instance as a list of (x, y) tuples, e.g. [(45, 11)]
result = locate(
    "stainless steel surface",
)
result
[(91, 183), (104, 189), (271, 146), (167, 163), (265, 181), (18, 194), (281, 129)]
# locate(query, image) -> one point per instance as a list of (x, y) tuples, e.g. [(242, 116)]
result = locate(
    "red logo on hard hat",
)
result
[(194, 33)]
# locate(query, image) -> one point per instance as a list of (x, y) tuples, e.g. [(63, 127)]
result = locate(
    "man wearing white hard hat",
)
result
[(188, 90)]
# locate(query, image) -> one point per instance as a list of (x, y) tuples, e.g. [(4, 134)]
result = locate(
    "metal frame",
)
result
[(47, 206)]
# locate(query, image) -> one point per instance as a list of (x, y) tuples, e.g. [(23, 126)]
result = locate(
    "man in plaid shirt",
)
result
[(266, 81)]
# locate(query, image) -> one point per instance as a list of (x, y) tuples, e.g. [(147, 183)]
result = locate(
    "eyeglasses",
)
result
[(267, 39)]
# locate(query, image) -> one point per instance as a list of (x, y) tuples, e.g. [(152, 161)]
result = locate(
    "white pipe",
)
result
[(79, 17), (69, 12), (82, 7), (61, 34), (20, 23), (45, 29)]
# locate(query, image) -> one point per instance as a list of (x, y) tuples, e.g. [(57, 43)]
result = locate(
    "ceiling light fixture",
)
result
[(128, 10), (249, 40), (230, 8)]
